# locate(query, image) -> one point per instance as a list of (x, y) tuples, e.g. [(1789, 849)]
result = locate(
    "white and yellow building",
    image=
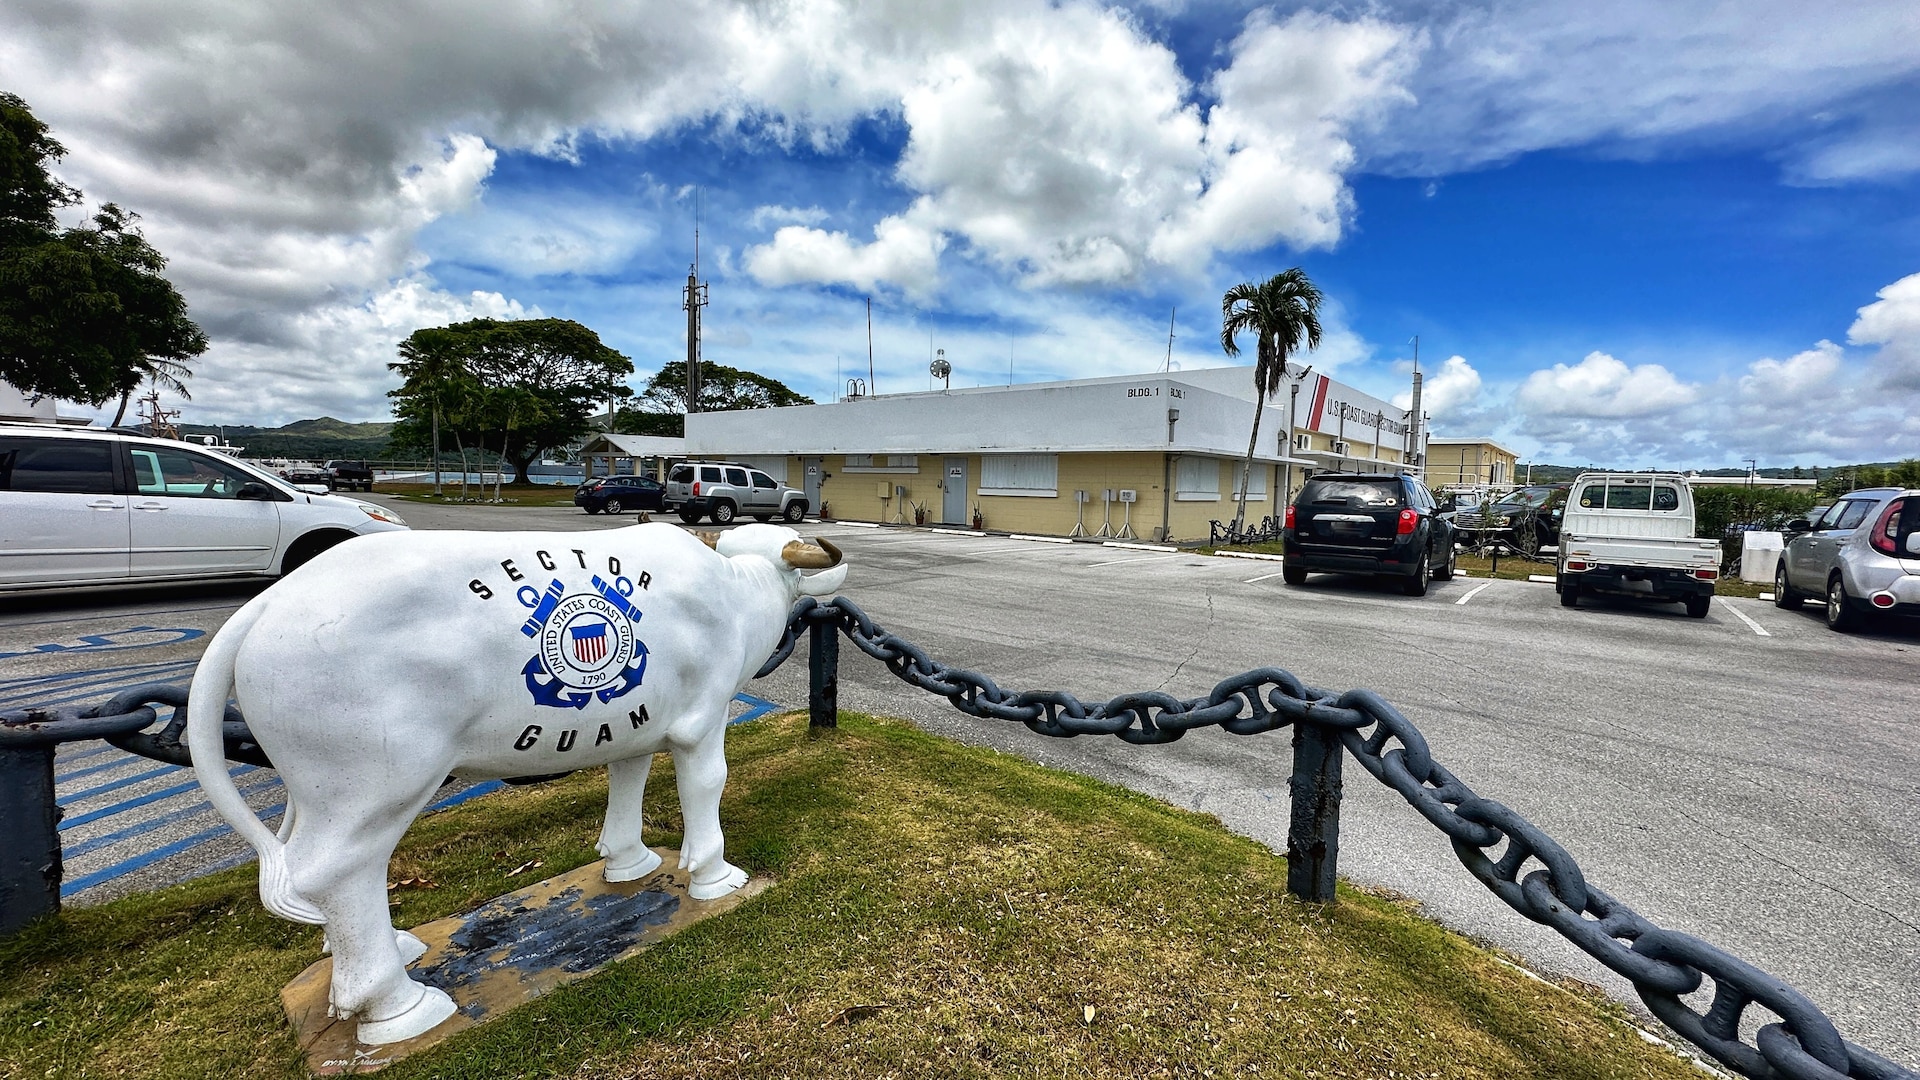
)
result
[(1479, 462), (1154, 456)]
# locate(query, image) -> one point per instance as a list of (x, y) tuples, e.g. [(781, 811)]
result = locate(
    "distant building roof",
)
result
[(635, 446), (1480, 440)]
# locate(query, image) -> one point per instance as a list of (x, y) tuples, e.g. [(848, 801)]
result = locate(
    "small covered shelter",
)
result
[(631, 455)]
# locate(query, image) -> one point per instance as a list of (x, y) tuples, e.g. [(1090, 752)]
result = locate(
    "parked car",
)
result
[(1526, 519), (349, 475), (1862, 555), (618, 494), (307, 478), (1366, 523), (724, 490), (95, 507), (1632, 534)]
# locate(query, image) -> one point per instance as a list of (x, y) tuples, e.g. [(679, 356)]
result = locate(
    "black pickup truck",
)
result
[(350, 475)]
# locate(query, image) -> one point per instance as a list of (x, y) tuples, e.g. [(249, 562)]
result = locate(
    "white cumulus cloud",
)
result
[(1601, 386), (1893, 323)]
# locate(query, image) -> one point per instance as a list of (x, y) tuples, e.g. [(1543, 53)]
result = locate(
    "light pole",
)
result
[(1293, 405)]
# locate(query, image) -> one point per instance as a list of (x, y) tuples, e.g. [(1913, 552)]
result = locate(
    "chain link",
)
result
[(1494, 842)]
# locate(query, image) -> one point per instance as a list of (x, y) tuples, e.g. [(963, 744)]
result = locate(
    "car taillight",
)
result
[(1409, 521), (1882, 539), (1706, 575), (1882, 600), (696, 489), (1576, 564), (1289, 523)]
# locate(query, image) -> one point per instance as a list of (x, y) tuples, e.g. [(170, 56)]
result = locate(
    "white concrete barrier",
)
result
[(1759, 554)]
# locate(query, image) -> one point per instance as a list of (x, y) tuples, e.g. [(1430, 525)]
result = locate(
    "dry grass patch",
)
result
[(938, 911)]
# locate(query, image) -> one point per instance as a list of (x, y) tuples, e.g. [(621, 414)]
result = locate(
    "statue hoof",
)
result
[(729, 879), (648, 862), (411, 948), (428, 1010)]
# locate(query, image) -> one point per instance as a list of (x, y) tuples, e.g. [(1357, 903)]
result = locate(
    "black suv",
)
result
[(1367, 523), (1526, 519)]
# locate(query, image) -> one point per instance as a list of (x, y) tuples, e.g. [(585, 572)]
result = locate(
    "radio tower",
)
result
[(692, 299)]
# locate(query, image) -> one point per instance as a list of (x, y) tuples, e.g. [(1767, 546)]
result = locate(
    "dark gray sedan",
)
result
[(1861, 555)]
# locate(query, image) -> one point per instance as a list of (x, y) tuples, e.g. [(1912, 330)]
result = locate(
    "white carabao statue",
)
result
[(387, 664)]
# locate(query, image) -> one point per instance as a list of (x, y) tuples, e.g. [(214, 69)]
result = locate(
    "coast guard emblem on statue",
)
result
[(586, 645)]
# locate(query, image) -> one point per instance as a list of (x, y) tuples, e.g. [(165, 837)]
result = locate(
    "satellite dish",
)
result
[(940, 369)]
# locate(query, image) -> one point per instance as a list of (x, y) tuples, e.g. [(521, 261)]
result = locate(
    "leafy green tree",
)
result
[(514, 388), (85, 313), (1283, 313), (661, 408)]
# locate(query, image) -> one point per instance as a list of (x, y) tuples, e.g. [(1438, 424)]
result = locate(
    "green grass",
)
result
[(980, 904), (510, 494)]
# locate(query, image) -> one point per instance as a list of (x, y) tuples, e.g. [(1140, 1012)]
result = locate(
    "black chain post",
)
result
[(823, 675), (1313, 833), (30, 866)]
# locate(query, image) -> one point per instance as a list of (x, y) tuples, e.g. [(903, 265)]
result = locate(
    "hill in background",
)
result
[(307, 440)]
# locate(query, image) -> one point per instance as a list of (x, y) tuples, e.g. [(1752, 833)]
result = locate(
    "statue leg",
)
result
[(701, 767), (339, 860), (628, 858)]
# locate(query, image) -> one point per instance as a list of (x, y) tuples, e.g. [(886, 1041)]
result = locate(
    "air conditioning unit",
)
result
[(1340, 446), (1303, 442)]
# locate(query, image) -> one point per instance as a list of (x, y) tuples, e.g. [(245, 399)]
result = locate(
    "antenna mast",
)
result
[(1170, 315), (870, 388), (692, 299)]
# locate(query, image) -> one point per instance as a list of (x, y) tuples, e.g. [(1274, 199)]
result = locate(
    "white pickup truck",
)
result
[(1631, 534)]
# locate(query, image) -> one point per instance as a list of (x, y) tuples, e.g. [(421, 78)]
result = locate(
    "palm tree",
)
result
[(164, 372), (1282, 312), (429, 364)]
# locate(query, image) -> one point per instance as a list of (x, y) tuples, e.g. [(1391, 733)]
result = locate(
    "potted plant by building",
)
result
[(979, 522), (919, 513), (826, 510)]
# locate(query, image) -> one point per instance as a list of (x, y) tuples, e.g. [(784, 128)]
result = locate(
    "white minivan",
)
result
[(86, 506)]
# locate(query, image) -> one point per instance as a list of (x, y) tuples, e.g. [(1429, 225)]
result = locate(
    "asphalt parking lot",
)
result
[(1751, 777)]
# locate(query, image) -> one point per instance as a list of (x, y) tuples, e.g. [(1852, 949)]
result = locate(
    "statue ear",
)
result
[(711, 539)]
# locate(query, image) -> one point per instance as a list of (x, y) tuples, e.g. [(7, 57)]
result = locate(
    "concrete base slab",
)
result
[(509, 951)]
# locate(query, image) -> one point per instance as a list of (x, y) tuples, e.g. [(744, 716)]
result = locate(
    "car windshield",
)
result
[(1354, 492), (1532, 496)]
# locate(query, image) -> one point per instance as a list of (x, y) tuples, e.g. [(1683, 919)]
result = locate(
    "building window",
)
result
[(1256, 483), (883, 463), (904, 461), (1197, 479), (1032, 475), (859, 461)]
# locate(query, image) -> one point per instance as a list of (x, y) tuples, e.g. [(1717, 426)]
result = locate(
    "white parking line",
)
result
[(1123, 562), (1473, 592), (1745, 618), (1262, 577)]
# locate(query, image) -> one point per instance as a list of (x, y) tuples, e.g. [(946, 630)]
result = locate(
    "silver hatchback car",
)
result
[(1862, 555)]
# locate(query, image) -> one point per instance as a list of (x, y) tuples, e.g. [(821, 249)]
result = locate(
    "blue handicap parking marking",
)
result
[(142, 827), (131, 637)]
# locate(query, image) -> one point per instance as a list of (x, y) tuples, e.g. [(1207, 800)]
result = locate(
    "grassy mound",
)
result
[(939, 910)]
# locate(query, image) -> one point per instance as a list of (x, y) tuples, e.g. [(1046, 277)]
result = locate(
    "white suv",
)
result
[(85, 506)]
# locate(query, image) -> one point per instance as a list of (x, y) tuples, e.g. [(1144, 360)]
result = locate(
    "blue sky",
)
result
[(1662, 234)]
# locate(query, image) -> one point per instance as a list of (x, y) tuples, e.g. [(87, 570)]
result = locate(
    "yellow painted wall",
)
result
[(1468, 463), (855, 496)]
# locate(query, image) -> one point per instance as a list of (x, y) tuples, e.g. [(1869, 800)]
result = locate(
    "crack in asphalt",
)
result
[(1198, 641)]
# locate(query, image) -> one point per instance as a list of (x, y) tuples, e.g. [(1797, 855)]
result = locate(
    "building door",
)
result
[(953, 504), (810, 468)]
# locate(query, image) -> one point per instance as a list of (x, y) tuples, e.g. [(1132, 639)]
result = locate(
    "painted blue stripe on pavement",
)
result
[(139, 862), (67, 759), (7, 685), (116, 785), (760, 708), (130, 759), (87, 682), (73, 851), (486, 787), (121, 807)]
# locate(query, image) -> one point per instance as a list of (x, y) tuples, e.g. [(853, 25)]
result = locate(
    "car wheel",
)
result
[(1445, 573), (1569, 594), (1293, 575), (722, 513), (688, 516), (614, 507), (1783, 594), (1417, 584), (794, 512), (1840, 613), (1697, 606)]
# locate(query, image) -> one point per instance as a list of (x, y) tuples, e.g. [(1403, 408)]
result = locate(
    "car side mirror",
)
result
[(1799, 525), (254, 491)]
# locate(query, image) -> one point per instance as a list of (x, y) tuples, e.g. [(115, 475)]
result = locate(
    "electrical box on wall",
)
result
[(1109, 494), (886, 490), (1080, 496), (1128, 495), (900, 490)]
